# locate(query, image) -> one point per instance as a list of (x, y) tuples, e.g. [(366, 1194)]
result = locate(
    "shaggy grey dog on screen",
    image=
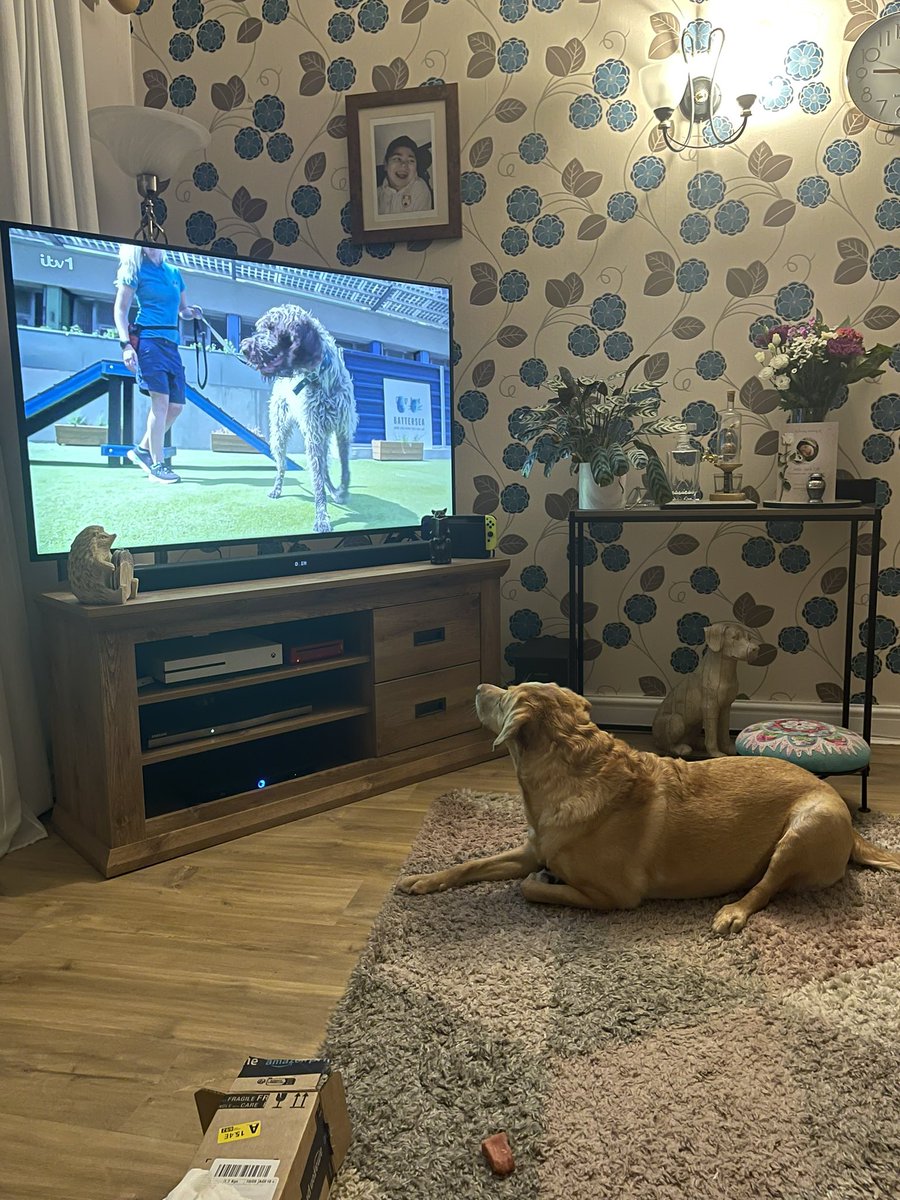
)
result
[(311, 389)]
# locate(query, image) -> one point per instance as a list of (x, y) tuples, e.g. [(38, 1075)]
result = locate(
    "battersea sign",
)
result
[(407, 411)]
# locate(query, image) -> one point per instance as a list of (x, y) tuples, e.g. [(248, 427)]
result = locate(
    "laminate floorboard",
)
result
[(119, 997)]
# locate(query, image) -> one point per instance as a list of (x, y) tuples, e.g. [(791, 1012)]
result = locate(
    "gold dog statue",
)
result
[(695, 716)]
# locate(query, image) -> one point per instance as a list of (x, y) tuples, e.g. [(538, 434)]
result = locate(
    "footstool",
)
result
[(822, 748)]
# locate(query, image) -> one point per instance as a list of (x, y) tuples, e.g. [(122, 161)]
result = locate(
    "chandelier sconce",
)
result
[(690, 85)]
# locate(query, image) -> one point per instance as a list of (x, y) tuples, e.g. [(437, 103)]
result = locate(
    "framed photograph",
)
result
[(403, 149)]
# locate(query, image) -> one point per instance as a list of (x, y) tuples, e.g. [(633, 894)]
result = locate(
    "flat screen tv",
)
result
[(162, 395)]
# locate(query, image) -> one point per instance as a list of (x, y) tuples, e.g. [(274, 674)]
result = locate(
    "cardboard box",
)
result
[(280, 1132)]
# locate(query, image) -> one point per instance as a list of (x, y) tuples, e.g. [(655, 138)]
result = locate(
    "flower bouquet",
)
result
[(811, 364)]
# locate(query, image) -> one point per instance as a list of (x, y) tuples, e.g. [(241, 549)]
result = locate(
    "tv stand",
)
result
[(393, 705)]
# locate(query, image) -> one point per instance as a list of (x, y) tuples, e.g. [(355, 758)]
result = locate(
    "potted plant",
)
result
[(77, 432), (384, 451), (223, 441), (603, 432)]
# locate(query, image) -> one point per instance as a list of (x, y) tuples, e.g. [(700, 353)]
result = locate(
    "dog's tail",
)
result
[(867, 855)]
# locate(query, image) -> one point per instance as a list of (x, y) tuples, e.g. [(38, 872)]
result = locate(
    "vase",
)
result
[(807, 447), (592, 496)]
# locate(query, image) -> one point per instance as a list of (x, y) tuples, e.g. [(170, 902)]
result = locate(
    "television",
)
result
[(340, 379)]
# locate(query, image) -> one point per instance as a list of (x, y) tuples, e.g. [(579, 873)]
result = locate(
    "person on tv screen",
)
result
[(402, 189), (150, 346)]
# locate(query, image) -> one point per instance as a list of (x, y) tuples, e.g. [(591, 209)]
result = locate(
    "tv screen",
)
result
[(178, 398)]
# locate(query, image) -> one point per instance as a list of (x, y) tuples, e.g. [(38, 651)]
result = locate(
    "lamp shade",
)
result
[(147, 140), (663, 83)]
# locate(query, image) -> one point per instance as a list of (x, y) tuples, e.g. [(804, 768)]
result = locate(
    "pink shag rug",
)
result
[(629, 1056)]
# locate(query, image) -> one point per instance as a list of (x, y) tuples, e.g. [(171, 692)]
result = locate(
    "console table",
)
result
[(717, 514)]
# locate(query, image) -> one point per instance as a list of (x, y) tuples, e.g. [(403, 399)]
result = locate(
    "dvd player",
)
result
[(189, 735)]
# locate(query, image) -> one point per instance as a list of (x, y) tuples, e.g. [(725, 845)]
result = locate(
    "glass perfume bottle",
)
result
[(728, 451), (684, 467)]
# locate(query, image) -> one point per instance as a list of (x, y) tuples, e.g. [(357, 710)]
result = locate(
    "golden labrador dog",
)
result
[(618, 826)]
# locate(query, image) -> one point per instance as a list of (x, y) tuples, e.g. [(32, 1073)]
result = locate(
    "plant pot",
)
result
[(230, 443), (592, 496), (397, 451), (80, 435), (805, 448)]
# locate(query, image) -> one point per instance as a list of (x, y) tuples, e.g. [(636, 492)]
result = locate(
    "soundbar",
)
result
[(198, 572)]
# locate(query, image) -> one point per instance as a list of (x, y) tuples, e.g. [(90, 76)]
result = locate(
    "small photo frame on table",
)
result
[(403, 150)]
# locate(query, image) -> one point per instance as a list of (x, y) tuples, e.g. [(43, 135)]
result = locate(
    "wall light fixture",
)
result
[(689, 81)]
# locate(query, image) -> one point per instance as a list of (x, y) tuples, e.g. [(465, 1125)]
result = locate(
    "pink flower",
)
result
[(847, 343)]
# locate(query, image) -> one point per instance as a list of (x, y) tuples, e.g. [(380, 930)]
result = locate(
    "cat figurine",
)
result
[(96, 574)]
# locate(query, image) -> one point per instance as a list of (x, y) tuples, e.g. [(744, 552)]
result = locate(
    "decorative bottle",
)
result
[(684, 467), (728, 450)]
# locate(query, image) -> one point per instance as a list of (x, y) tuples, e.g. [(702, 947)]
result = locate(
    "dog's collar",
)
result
[(327, 360)]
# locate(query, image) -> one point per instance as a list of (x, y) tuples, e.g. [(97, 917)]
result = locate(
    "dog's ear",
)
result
[(516, 720), (715, 636)]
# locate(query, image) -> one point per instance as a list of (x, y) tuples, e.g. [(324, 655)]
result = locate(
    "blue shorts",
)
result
[(160, 368)]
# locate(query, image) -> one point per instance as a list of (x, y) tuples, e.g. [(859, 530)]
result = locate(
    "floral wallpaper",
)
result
[(587, 242)]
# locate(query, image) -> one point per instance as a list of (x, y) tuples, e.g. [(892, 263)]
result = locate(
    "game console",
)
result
[(232, 653)]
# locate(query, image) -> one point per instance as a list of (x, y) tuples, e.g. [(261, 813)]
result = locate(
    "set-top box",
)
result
[(217, 654)]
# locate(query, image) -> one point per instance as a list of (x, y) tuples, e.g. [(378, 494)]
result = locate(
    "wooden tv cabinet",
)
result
[(394, 705)]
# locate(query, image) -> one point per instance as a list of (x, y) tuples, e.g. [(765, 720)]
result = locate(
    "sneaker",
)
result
[(140, 457), (163, 474)]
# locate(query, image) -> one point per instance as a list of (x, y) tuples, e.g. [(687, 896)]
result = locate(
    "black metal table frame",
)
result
[(680, 514)]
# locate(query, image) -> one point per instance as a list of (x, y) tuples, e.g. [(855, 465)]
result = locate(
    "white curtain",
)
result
[(45, 166)]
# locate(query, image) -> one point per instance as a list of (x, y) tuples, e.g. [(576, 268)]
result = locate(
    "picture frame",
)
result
[(403, 152)]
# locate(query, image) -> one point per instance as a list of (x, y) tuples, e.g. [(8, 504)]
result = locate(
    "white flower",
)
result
[(760, 356), (775, 339), (782, 382), (779, 360), (766, 373)]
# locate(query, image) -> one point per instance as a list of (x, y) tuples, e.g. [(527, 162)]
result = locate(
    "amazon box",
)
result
[(280, 1132)]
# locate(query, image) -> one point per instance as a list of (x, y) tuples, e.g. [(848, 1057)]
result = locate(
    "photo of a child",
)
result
[(403, 170)]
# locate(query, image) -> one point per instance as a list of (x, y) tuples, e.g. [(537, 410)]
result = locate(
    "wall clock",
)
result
[(873, 71)]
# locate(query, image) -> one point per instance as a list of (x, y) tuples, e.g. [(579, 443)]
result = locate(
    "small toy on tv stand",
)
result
[(315, 652)]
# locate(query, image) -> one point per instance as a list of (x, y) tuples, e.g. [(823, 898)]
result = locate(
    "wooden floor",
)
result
[(119, 997)]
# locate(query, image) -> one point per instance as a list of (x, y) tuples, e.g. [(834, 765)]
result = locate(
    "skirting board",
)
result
[(638, 711)]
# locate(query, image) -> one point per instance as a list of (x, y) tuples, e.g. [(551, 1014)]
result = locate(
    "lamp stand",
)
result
[(151, 229)]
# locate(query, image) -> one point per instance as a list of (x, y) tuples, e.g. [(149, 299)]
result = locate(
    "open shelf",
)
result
[(203, 745), (157, 692)]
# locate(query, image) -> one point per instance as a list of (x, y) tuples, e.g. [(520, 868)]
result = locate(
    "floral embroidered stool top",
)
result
[(822, 748)]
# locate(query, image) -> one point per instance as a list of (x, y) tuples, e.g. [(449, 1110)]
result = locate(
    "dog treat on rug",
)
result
[(496, 1150)]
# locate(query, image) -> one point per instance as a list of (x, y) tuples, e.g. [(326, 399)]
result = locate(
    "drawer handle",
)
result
[(428, 708), (428, 637)]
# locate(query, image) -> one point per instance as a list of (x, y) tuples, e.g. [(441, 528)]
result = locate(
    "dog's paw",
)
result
[(421, 885), (275, 494), (322, 526), (730, 919)]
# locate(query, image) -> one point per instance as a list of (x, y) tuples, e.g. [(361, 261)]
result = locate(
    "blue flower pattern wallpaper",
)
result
[(586, 242)]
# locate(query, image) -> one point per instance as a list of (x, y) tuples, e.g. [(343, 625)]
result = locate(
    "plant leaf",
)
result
[(651, 686), (779, 213), (830, 693), (483, 372), (682, 544), (510, 336), (510, 110), (512, 543), (834, 581), (314, 168), (766, 654), (652, 579), (686, 328), (591, 228), (481, 151)]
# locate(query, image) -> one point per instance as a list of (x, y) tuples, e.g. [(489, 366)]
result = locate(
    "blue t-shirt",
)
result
[(158, 298)]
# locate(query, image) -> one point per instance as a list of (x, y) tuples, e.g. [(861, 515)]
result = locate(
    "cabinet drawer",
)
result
[(424, 708), (413, 638)]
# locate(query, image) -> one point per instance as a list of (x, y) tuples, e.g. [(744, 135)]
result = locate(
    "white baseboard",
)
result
[(639, 710)]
